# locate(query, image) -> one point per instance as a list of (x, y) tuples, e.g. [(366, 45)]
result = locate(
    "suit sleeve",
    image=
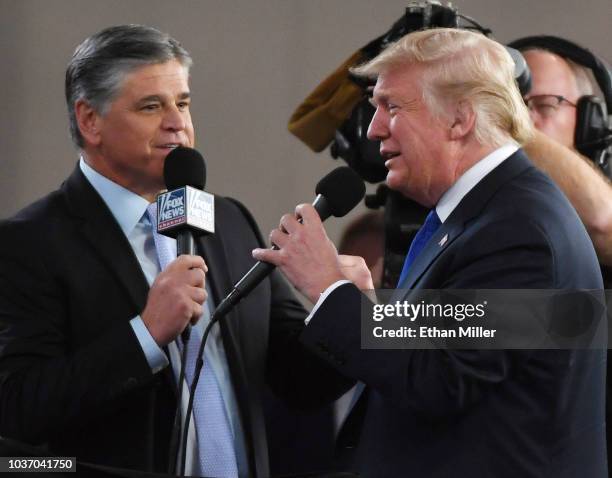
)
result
[(48, 384), (440, 382)]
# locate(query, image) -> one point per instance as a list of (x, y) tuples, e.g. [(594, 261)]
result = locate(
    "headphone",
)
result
[(593, 136)]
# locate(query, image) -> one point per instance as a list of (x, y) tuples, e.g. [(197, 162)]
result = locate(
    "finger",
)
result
[(195, 277), (267, 255), (351, 261), (279, 238), (188, 261), (308, 214), (196, 314), (289, 223), (198, 295)]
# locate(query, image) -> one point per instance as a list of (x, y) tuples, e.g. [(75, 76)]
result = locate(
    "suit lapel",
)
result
[(103, 233), (468, 208), (444, 236), (215, 255)]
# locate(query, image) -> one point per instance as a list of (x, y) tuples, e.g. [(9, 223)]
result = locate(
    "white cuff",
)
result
[(323, 296)]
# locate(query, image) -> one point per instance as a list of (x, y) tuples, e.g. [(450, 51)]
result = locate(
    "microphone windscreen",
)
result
[(184, 167), (343, 189)]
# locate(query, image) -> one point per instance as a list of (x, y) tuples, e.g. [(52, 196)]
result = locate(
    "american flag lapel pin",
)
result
[(443, 240)]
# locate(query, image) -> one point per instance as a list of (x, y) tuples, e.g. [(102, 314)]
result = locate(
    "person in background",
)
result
[(557, 84)]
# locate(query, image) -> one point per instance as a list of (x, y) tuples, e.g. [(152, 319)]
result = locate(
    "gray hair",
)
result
[(99, 65)]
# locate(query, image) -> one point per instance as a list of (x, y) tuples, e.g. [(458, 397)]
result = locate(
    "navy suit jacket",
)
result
[(73, 375), (486, 413)]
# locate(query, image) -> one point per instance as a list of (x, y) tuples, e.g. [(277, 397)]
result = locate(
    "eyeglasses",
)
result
[(547, 105)]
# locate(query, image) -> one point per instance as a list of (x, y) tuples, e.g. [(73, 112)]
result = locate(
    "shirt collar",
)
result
[(453, 196), (126, 206)]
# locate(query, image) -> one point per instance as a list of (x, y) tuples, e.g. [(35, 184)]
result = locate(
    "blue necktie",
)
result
[(217, 456), (427, 230)]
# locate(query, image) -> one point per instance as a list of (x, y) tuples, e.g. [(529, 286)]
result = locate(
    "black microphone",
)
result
[(185, 211), (337, 193)]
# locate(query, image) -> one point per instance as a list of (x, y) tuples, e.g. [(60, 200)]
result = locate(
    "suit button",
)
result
[(130, 383)]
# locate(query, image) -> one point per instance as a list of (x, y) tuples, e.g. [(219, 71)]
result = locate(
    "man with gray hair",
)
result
[(558, 84), (450, 120), (92, 305)]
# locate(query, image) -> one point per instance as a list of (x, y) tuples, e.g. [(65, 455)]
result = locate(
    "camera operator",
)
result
[(557, 85)]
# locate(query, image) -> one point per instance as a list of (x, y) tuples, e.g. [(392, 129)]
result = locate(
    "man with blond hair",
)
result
[(451, 120)]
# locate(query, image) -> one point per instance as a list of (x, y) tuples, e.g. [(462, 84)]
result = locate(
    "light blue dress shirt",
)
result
[(129, 210)]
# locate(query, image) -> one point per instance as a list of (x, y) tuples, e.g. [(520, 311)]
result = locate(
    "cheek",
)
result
[(560, 128), (190, 134)]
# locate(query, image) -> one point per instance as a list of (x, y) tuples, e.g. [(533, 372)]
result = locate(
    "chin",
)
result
[(393, 181)]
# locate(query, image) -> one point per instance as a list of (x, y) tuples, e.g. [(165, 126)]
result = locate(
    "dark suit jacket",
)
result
[(458, 413), (72, 373)]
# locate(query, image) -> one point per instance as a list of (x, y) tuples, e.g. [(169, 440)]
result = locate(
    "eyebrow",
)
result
[(152, 98)]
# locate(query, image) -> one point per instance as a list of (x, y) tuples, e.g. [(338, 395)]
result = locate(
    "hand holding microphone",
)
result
[(175, 299), (184, 212), (303, 251)]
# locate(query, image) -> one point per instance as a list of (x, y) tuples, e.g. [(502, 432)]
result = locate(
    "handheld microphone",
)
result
[(337, 193), (185, 211)]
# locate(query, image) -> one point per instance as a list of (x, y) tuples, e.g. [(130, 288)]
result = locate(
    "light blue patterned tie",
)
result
[(424, 234), (217, 456)]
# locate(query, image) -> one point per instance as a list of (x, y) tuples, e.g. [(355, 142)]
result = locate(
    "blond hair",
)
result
[(461, 65)]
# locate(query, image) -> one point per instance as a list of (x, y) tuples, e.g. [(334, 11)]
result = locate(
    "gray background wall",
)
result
[(255, 60)]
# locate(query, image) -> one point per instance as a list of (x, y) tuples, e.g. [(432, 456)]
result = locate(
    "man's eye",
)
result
[(183, 105), (150, 107)]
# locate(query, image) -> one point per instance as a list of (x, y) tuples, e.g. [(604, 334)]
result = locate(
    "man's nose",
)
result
[(378, 129), (174, 120)]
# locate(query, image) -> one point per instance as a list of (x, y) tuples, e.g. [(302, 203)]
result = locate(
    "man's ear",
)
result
[(88, 121), (463, 120)]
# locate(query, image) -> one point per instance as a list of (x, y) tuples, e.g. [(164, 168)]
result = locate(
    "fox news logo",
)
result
[(171, 209), (185, 207)]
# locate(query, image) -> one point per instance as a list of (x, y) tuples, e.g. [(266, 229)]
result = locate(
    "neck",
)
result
[(98, 163), (469, 155)]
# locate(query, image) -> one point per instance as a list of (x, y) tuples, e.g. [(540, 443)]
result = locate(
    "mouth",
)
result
[(169, 146), (387, 156)]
